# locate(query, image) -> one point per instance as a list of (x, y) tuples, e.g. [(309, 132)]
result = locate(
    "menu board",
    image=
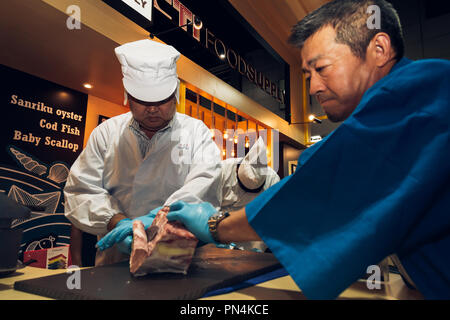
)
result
[(42, 130)]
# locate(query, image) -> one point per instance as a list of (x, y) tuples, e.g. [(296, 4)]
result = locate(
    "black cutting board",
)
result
[(211, 268)]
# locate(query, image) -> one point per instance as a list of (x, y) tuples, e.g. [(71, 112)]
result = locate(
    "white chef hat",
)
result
[(253, 168), (149, 70)]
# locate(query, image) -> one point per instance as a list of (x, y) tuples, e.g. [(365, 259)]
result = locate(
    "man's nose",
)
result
[(152, 109), (316, 85)]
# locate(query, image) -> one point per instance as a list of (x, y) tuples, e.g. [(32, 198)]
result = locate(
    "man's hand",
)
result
[(195, 217), (124, 230), (125, 245)]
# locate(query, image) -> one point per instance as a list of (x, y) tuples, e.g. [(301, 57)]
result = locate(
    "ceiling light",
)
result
[(88, 86)]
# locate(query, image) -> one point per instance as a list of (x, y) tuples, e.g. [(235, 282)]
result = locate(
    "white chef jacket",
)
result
[(234, 197), (112, 176)]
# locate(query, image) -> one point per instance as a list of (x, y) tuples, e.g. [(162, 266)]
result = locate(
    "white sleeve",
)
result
[(202, 183), (272, 178), (87, 204)]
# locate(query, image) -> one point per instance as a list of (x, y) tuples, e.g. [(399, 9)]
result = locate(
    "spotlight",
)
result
[(198, 24), (313, 118)]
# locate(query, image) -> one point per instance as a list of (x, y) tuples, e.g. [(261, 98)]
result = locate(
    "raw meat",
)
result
[(140, 247), (164, 247)]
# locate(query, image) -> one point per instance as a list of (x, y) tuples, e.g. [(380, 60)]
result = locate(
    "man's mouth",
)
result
[(322, 100)]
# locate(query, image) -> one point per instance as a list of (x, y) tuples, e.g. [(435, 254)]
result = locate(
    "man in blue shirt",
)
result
[(376, 186)]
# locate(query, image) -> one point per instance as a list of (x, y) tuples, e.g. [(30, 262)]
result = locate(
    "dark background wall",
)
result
[(426, 27)]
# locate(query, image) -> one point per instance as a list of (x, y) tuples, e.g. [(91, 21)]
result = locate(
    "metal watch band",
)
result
[(214, 221)]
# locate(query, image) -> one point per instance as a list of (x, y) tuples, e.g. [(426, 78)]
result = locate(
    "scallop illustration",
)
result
[(58, 173), (28, 163)]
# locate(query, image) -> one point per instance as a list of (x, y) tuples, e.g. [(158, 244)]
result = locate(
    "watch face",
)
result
[(217, 215)]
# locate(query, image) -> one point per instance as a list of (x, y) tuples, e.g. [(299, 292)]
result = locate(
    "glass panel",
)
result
[(233, 133)]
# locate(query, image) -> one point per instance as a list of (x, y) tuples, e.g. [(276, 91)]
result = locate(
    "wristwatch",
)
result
[(214, 221)]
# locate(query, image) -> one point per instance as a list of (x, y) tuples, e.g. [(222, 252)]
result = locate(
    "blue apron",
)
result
[(377, 185)]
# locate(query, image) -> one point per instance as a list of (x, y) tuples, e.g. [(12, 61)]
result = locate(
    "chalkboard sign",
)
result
[(42, 130)]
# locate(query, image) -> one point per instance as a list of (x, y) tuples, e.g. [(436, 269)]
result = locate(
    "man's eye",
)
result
[(320, 69)]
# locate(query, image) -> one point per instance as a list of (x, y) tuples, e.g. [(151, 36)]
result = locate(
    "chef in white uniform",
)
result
[(149, 157), (243, 179)]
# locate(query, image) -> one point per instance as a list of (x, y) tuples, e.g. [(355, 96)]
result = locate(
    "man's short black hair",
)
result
[(349, 19)]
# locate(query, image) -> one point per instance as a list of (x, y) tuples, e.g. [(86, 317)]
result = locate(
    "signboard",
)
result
[(42, 134), (143, 7), (219, 48), (225, 46)]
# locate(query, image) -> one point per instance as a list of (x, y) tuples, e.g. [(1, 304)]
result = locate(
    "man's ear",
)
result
[(381, 48)]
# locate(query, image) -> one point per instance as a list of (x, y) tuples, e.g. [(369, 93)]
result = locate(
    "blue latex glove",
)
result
[(124, 229), (195, 217), (125, 245)]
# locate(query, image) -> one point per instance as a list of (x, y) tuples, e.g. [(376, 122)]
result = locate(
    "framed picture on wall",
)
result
[(101, 118), (292, 166)]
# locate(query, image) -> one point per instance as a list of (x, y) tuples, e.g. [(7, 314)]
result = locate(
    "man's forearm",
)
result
[(76, 245), (114, 220), (236, 228)]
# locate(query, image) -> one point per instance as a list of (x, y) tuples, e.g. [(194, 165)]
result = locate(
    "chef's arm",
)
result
[(202, 183), (114, 220), (76, 245), (236, 228), (88, 205)]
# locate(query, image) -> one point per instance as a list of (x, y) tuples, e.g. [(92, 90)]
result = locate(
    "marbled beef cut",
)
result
[(164, 247)]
